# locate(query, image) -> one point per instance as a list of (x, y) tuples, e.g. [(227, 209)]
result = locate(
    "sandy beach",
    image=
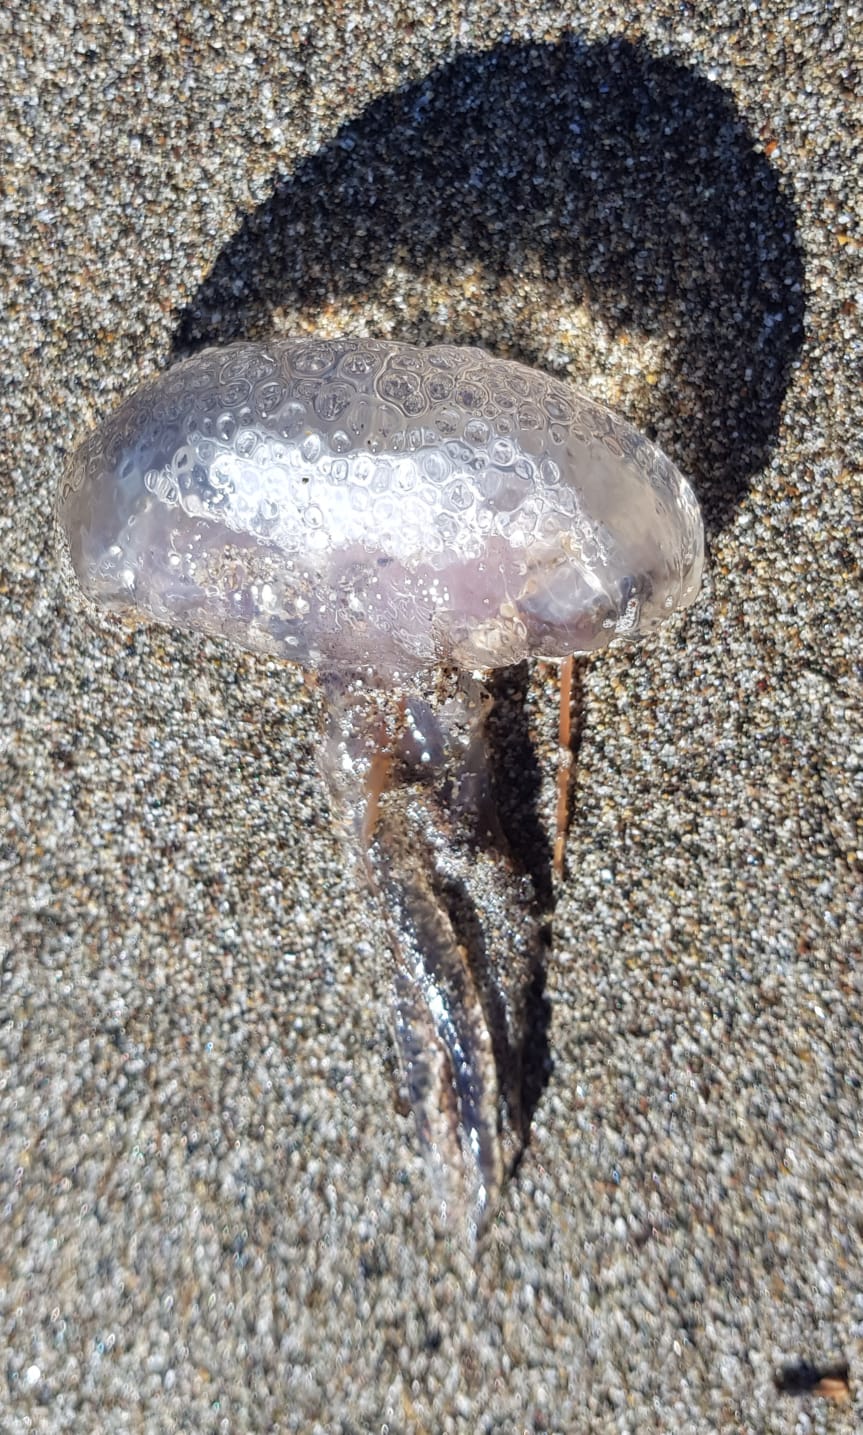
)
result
[(215, 1213)]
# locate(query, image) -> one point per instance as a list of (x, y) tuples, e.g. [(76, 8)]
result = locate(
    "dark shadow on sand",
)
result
[(632, 182), (630, 185)]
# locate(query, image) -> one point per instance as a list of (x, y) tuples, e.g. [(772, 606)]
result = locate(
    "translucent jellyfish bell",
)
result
[(360, 503)]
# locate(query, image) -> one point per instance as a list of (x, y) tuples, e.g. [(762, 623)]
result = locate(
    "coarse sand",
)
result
[(215, 1216)]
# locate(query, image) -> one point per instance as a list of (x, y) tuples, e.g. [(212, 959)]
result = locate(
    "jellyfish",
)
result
[(400, 522)]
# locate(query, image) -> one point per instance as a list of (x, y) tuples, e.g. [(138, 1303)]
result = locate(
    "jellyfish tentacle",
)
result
[(564, 766)]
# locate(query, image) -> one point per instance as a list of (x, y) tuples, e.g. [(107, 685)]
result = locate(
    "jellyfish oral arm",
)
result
[(464, 934)]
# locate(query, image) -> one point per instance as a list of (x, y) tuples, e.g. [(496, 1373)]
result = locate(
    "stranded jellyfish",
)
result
[(399, 521)]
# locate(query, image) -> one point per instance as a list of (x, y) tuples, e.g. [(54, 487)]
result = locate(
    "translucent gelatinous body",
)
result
[(360, 503), (375, 511)]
